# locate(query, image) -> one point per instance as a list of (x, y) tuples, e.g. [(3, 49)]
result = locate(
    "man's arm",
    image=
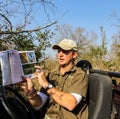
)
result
[(66, 100), (35, 101)]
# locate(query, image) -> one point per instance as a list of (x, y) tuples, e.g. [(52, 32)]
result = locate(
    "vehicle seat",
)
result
[(99, 92), (99, 96)]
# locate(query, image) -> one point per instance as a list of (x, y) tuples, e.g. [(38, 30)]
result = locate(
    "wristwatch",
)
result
[(49, 86)]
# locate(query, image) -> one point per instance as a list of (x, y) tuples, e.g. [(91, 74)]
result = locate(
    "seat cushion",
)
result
[(100, 96)]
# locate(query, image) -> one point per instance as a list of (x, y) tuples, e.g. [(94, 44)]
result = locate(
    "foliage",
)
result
[(43, 42), (88, 48), (14, 34), (38, 42), (115, 47), (79, 35), (20, 28), (24, 14)]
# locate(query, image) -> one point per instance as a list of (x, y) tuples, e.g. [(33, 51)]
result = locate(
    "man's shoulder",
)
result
[(79, 70)]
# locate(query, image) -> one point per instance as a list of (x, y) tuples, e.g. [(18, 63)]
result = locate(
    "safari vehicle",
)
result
[(100, 97)]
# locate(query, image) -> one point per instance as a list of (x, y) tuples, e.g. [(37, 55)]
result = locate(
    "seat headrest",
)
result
[(84, 65)]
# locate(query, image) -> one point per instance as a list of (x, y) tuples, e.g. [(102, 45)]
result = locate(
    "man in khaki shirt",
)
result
[(65, 87)]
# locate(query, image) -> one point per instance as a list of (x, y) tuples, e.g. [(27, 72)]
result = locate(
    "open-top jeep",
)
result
[(101, 97)]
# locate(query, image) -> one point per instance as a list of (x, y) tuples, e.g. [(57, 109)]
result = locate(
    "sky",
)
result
[(89, 14)]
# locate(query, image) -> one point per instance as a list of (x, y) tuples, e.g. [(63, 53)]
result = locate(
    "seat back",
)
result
[(99, 96)]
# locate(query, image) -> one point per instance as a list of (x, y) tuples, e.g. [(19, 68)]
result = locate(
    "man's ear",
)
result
[(75, 54)]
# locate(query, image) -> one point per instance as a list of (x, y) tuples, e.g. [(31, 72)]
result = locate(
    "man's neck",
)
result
[(66, 68)]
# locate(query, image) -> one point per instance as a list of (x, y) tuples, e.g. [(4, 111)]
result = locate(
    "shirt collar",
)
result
[(69, 71)]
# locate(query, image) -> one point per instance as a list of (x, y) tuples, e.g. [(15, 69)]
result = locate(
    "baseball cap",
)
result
[(66, 44)]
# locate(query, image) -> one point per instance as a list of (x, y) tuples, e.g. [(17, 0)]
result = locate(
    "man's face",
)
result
[(65, 57)]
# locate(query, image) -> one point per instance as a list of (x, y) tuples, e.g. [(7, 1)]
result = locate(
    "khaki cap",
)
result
[(66, 44)]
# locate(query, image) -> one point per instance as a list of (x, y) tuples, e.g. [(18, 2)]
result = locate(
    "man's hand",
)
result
[(27, 85), (41, 77)]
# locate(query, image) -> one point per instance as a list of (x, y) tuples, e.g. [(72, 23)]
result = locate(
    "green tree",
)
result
[(25, 33), (27, 41), (115, 48), (103, 43)]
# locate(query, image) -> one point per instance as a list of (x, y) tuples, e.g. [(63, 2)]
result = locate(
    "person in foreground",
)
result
[(64, 88)]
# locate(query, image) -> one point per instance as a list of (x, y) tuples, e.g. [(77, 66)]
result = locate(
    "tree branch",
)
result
[(10, 24), (28, 31)]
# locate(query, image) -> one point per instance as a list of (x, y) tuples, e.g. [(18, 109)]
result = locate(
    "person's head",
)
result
[(67, 51)]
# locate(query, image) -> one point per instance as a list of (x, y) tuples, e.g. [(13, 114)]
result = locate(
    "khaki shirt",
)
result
[(73, 81)]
